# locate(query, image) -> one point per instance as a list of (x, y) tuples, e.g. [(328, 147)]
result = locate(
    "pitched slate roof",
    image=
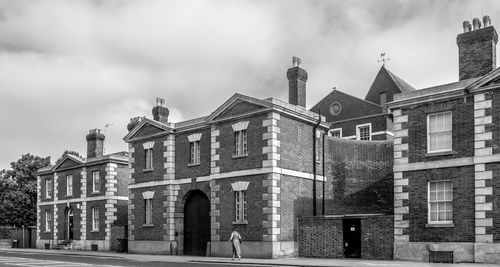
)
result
[(400, 83)]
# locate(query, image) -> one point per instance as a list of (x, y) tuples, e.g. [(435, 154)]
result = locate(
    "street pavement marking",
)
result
[(27, 262)]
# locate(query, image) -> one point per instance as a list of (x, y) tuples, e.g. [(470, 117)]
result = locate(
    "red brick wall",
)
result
[(62, 183), (154, 232), (463, 205), (494, 96), (62, 222), (140, 175), (43, 178), (379, 123), (102, 217), (361, 176), (296, 145), (462, 129), (320, 237), (377, 238), (122, 213), (122, 177), (43, 234), (101, 168), (297, 201), (252, 231), (255, 143), (323, 237), (183, 155)]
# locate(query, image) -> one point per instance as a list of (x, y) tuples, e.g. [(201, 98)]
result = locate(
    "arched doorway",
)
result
[(196, 224), (69, 224)]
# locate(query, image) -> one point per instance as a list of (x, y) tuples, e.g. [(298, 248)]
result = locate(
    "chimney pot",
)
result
[(476, 23), (486, 21), (466, 26), (477, 49)]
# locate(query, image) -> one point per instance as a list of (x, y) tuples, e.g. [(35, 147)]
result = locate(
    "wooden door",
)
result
[(352, 238), (196, 224)]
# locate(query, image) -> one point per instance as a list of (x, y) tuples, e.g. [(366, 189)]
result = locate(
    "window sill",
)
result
[(47, 232), (147, 225), (441, 153), (193, 164), (240, 222), (439, 225), (147, 170), (240, 156)]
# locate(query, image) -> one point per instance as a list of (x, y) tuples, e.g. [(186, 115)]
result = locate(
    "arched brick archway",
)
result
[(196, 223)]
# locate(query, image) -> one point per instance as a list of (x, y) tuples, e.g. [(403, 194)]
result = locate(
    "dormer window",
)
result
[(240, 138)]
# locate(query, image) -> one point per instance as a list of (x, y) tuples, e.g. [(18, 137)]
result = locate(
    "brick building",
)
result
[(446, 160), (82, 201), (363, 119), (249, 165)]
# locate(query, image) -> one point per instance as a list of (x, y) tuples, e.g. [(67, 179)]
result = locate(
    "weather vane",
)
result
[(383, 59)]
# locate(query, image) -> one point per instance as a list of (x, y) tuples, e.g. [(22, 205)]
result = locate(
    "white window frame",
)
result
[(339, 130), (240, 206), (95, 219), (358, 132), (194, 148), (96, 182), (429, 133), (69, 185), (241, 143), (439, 201), (148, 211), (48, 188), (48, 221)]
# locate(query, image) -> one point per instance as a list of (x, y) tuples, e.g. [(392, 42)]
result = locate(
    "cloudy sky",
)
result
[(70, 66)]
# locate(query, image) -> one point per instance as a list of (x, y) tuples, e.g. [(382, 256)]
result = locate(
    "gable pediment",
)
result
[(68, 162), (239, 105), (147, 128), (487, 80)]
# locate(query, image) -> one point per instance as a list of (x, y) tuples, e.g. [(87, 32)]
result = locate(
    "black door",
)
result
[(196, 224), (70, 226), (352, 238)]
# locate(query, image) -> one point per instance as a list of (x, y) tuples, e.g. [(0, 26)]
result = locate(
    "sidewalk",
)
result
[(250, 262)]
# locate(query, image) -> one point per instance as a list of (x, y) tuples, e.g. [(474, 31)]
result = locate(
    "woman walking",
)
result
[(236, 241)]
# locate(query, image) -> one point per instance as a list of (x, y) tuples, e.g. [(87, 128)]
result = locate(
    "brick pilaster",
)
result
[(401, 208), (214, 150), (170, 195), (271, 210), (83, 215), (169, 156), (271, 136), (214, 210), (482, 178)]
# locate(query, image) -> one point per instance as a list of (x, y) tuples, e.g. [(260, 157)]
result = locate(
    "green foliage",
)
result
[(18, 191)]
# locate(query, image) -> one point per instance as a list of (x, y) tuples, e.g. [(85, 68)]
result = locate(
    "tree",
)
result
[(18, 190)]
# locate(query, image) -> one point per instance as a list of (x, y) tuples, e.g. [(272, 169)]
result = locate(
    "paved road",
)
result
[(35, 259)]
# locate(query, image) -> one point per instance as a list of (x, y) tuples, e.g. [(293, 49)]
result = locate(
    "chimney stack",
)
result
[(160, 112), (95, 143), (476, 49), (297, 78)]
